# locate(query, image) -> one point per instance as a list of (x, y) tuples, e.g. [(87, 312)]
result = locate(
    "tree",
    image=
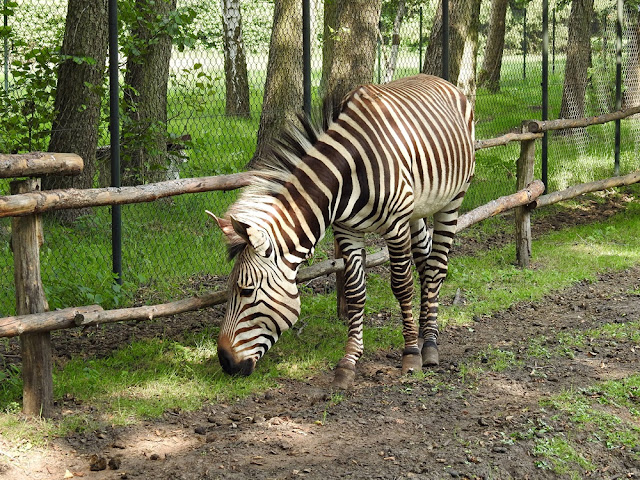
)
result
[(578, 59), (489, 75), (144, 124), (631, 91), (79, 91), (352, 59), (235, 63), (283, 88), (463, 20), (395, 42), (468, 60)]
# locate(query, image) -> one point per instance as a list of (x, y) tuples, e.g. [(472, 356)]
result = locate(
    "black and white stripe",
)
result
[(393, 156)]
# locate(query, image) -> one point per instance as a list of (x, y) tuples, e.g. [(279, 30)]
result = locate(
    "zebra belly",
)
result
[(425, 207)]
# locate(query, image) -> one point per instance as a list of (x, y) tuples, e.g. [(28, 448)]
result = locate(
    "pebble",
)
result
[(200, 430), (499, 449)]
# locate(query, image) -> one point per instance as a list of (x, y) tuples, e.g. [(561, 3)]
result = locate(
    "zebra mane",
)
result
[(280, 158)]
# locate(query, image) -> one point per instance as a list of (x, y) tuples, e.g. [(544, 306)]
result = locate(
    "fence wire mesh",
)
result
[(170, 248)]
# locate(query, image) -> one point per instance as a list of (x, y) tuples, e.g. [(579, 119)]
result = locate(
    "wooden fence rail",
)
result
[(34, 324)]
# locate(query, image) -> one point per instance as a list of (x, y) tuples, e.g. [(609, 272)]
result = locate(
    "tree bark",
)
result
[(395, 42), (282, 100), (354, 49), (79, 91), (144, 143), (235, 62), (469, 59), (463, 19), (631, 91), (328, 39), (489, 75), (578, 59)]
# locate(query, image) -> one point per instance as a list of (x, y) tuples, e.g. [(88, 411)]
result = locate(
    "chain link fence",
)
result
[(170, 248)]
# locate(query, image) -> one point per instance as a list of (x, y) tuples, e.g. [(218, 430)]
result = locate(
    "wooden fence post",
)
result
[(525, 166), (37, 376)]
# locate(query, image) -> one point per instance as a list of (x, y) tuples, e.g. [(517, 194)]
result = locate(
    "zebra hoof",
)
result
[(343, 378), (411, 363), (430, 356)]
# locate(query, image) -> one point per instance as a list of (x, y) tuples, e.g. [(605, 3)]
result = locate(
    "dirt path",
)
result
[(463, 420)]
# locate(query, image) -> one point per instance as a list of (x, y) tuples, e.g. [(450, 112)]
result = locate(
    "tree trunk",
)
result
[(354, 49), (462, 17), (144, 142), (489, 75), (79, 92), (578, 57), (631, 91), (283, 89), (469, 59), (235, 62), (395, 42), (328, 39)]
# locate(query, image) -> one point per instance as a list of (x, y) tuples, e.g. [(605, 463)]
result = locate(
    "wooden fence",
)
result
[(33, 323)]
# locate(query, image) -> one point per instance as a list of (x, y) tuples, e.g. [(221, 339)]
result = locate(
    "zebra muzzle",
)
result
[(232, 367)]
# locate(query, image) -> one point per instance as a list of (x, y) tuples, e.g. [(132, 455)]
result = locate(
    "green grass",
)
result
[(148, 377)]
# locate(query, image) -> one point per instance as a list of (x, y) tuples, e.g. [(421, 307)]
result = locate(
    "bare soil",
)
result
[(454, 423)]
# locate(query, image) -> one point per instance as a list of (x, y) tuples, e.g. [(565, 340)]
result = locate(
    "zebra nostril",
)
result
[(230, 366)]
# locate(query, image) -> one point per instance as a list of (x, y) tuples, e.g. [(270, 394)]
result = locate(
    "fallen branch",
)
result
[(95, 315), (576, 190), (502, 204), (37, 202), (37, 164)]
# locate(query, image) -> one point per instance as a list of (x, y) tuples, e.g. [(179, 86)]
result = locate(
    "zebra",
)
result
[(391, 156)]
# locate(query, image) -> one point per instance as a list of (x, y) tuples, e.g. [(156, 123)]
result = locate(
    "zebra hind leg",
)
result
[(432, 273), (355, 293), (402, 286)]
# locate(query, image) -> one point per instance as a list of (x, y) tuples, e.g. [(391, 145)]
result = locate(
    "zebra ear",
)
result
[(227, 228), (255, 237)]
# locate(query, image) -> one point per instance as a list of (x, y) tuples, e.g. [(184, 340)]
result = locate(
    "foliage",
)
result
[(28, 105)]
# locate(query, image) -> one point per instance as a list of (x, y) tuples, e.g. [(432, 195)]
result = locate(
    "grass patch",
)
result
[(148, 377), (601, 413)]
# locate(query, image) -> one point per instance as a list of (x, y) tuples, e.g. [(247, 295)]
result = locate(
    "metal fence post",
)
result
[(445, 39), (114, 131), (545, 89), (306, 56), (616, 162)]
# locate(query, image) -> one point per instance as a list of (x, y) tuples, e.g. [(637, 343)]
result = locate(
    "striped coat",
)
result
[(393, 155)]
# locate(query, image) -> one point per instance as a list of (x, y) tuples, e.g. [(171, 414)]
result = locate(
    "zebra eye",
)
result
[(246, 292)]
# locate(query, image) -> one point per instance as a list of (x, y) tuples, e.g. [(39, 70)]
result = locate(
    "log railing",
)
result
[(33, 323)]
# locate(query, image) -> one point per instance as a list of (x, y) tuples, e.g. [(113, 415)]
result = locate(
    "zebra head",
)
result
[(263, 297)]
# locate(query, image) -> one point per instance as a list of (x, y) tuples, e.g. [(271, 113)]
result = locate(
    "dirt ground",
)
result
[(455, 423)]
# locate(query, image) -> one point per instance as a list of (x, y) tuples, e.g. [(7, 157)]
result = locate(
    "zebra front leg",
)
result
[(355, 293), (402, 286)]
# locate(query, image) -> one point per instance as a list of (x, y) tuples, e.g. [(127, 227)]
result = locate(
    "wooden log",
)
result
[(94, 315), (504, 139), (499, 205), (537, 126), (45, 322), (37, 202), (524, 177), (583, 188), (35, 348), (38, 164)]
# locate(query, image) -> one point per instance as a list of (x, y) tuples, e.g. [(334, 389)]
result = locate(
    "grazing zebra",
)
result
[(392, 155)]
